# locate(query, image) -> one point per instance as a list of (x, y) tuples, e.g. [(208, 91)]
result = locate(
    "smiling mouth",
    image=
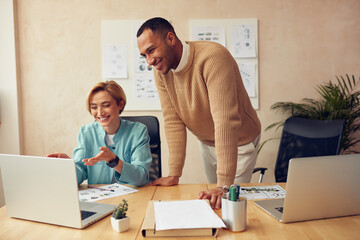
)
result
[(102, 119), (158, 65)]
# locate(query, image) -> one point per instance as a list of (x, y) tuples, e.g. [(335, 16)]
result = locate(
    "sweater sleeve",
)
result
[(175, 130), (221, 74), (78, 156), (136, 171)]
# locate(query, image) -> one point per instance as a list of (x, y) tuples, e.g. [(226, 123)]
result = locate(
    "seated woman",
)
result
[(111, 149)]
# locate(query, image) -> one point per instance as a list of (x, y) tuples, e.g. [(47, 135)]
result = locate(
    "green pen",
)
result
[(233, 193)]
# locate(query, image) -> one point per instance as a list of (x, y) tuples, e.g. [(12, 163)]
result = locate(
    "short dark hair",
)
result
[(157, 25)]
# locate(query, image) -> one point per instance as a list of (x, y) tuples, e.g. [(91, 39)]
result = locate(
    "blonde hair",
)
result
[(112, 88)]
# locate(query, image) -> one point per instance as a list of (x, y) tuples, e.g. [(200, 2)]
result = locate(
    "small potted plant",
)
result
[(119, 221)]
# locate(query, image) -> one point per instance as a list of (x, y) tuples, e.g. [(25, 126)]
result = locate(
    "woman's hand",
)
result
[(104, 155)]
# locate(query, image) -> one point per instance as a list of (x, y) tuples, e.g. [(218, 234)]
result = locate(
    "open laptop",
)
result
[(45, 190), (317, 188)]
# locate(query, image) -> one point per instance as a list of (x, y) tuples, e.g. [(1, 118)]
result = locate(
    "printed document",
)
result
[(262, 192), (108, 191)]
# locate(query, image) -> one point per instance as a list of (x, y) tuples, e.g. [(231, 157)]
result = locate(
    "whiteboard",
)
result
[(121, 34), (214, 28)]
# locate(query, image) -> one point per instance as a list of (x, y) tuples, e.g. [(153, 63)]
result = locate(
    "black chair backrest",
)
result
[(307, 138), (152, 124)]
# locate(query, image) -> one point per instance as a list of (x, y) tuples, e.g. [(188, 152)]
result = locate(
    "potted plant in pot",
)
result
[(119, 221)]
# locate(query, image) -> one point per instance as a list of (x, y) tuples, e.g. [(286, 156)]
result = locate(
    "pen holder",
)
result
[(234, 214)]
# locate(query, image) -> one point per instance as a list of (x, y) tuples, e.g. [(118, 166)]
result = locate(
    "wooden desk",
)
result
[(260, 225)]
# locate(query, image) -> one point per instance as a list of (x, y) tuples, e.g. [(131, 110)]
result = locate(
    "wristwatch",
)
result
[(113, 163)]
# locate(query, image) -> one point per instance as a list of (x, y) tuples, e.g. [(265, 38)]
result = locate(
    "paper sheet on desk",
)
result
[(107, 191), (185, 214), (262, 192)]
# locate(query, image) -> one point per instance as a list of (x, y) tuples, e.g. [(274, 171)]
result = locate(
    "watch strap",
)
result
[(113, 163)]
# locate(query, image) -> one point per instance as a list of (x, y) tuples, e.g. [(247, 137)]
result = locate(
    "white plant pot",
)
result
[(120, 225)]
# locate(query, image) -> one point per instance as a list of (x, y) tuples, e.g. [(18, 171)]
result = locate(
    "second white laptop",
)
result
[(45, 190), (318, 187)]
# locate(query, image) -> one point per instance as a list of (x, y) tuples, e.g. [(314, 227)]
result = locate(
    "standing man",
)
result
[(200, 88)]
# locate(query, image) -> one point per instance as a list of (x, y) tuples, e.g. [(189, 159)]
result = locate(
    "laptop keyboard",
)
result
[(280, 209), (86, 214)]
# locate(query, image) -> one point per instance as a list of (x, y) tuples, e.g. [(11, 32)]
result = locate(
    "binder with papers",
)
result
[(173, 222)]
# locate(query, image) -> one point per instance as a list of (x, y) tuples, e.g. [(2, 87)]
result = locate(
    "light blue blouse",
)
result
[(131, 145)]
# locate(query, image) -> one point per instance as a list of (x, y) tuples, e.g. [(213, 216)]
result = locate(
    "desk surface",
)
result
[(260, 225)]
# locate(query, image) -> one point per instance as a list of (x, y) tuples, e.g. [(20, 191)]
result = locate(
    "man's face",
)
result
[(158, 51)]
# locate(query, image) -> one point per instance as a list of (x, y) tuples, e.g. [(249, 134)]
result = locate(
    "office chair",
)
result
[(307, 138), (152, 124), (262, 172)]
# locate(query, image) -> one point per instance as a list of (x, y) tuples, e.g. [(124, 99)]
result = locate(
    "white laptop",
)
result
[(317, 188), (45, 190)]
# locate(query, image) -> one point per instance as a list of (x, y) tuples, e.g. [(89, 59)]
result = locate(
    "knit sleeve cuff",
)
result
[(175, 172), (224, 180)]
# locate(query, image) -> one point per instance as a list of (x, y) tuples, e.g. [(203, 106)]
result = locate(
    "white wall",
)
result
[(9, 109)]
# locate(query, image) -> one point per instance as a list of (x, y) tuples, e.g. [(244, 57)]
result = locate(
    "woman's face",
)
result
[(104, 109)]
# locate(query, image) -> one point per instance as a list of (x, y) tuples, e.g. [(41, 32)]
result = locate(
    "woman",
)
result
[(111, 149)]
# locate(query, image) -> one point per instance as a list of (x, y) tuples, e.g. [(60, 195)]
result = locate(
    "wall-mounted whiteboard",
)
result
[(240, 37), (122, 62)]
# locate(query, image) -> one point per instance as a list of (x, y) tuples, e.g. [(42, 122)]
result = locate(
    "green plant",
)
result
[(120, 210), (338, 100)]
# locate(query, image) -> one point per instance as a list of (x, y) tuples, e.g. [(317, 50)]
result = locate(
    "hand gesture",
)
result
[(104, 155)]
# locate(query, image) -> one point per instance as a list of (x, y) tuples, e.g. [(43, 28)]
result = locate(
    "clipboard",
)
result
[(148, 227)]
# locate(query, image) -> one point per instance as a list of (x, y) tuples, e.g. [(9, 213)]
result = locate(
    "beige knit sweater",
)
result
[(209, 98)]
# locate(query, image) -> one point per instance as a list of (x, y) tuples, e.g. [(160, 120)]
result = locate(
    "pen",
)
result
[(238, 190), (233, 193), (102, 189)]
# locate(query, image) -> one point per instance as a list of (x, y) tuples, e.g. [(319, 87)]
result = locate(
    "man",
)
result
[(200, 88)]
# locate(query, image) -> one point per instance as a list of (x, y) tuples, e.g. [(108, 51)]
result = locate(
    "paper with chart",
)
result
[(103, 192), (247, 72), (115, 61), (140, 64), (144, 87), (243, 41), (208, 33), (262, 192)]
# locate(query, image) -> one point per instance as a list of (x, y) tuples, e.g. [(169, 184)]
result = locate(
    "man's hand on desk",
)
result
[(165, 181), (58, 155), (214, 195)]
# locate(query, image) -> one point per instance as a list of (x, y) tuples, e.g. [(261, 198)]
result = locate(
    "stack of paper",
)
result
[(181, 218)]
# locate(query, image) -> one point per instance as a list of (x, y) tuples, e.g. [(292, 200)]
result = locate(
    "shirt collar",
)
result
[(184, 57)]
